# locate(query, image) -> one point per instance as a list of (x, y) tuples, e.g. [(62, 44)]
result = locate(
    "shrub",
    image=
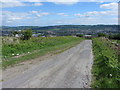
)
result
[(79, 35), (115, 36), (26, 34), (101, 35)]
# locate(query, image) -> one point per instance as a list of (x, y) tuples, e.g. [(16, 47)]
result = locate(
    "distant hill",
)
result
[(66, 29), (63, 27)]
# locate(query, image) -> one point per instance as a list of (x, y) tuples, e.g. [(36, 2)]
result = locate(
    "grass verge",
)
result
[(50, 45), (106, 67)]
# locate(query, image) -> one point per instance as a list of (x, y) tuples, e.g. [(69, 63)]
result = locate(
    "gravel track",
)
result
[(69, 69)]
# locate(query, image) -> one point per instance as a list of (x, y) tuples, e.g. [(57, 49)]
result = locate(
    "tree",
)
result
[(14, 33), (115, 36), (101, 35), (79, 35), (26, 34)]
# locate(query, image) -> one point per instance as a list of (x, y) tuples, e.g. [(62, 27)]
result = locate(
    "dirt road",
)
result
[(70, 69)]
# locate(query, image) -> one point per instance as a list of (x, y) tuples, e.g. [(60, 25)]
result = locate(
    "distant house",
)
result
[(17, 35), (88, 36), (19, 30), (43, 36), (35, 35), (5, 34)]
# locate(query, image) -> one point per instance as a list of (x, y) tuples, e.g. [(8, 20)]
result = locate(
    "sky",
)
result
[(60, 12)]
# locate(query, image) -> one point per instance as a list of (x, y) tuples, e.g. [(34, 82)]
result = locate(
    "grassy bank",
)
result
[(36, 47), (117, 41), (106, 67)]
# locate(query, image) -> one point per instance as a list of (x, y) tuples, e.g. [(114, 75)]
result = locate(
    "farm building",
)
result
[(88, 36)]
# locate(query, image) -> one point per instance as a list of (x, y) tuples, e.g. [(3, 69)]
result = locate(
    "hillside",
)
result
[(64, 30)]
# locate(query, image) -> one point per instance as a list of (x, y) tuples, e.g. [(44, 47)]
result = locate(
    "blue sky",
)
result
[(52, 13)]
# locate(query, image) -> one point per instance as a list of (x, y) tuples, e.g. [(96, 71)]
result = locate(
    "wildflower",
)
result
[(13, 54), (17, 54), (110, 75)]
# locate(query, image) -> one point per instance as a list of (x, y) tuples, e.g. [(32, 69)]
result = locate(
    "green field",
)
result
[(34, 47), (106, 67)]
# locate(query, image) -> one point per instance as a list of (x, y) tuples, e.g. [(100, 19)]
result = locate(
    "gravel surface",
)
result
[(69, 69)]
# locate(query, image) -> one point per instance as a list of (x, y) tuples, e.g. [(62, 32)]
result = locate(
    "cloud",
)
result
[(91, 17), (68, 2), (113, 6), (111, 12), (79, 15), (97, 13), (8, 16), (61, 0), (39, 13), (11, 4), (59, 22), (37, 4), (62, 14), (16, 3), (100, 13)]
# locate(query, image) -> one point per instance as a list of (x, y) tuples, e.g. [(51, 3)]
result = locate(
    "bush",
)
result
[(115, 36), (79, 35), (26, 34), (101, 35)]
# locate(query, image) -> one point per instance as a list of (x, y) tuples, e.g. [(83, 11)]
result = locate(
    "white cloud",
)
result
[(31, 0), (39, 13), (58, 1), (111, 12), (61, 0), (94, 17), (84, 21), (97, 13), (100, 13), (79, 15), (59, 22), (45, 13), (11, 4), (34, 12), (68, 2), (16, 3), (92, 21), (8, 16), (62, 14), (37, 4), (113, 6)]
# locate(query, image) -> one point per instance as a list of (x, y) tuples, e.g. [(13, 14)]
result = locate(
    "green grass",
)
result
[(117, 41), (43, 45), (106, 67)]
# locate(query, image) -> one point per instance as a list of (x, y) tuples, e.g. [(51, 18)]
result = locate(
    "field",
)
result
[(106, 65), (15, 50)]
